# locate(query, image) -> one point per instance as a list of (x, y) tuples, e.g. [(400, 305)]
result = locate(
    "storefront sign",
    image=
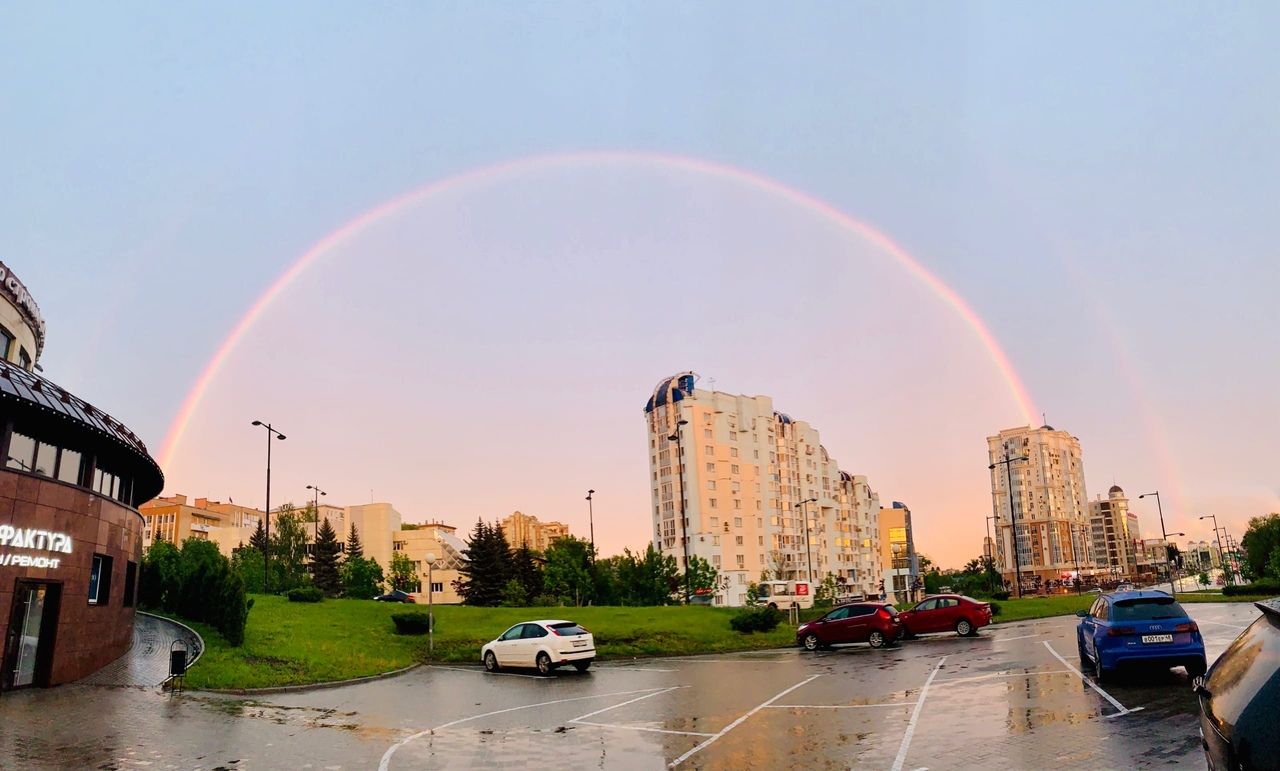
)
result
[(16, 291), (32, 539)]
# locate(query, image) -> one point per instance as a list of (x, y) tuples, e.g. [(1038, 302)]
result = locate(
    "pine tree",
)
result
[(487, 569), (525, 569), (259, 538), (354, 549), (324, 561)]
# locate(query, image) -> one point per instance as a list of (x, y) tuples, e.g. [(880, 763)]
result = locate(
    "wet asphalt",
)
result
[(1002, 699)]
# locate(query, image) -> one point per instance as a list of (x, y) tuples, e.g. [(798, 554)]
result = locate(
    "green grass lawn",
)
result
[(298, 643), (1042, 607)]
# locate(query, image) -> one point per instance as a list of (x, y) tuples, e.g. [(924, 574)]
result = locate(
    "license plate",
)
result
[(583, 643), (1157, 638)]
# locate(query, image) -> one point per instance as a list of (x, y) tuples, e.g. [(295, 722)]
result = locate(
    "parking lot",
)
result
[(1013, 697)]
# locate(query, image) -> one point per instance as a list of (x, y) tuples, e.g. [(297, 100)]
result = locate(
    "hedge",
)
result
[(413, 622), (305, 594), (1265, 586), (756, 620)]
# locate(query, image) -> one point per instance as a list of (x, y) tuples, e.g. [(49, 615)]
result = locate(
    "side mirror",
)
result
[(1082, 613)]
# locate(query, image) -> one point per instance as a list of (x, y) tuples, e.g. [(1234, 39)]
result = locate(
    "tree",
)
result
[(259, 538), (354, 547), (568, 571), (247, 563), (160, 575), (925, 563), (1260, 541), (288, 550), (484, 575), (361, 578), (825, 594), (210, 591), (1203, 578), (514, 595), (525, 569), (325, 562), (703, 577), (403, 575)]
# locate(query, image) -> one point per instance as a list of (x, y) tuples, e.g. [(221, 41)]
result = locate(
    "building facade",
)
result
[(1115, 535), (1048, 506), (174, 519), (70, 531), (755, 493), (523, 530), (900, 565), (435, 579)]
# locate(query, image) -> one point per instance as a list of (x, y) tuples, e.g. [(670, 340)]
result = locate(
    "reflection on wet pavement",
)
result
[(1002, 699)]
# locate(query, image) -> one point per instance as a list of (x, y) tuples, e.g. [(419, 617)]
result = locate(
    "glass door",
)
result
[(27, 649)]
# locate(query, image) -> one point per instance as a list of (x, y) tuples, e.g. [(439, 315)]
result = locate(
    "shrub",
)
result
[(546, 601), (756, 620), (196, 582), (413, 622), (305, 594), (995, 608), (1002, 596), (1265, 586)]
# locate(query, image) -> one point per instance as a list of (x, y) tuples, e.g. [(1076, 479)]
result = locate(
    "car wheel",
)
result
[(544, 664), (811, 642), (1084, 657), (773, 606), (1099, 672), (1197, 667), (876, 640), (964, 628), (490, 662), (582, 666)]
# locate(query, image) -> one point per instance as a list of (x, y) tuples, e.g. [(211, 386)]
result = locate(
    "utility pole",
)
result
[(1164, 536), (1013, 520), (266, 555), (684, 523), (591, 520)]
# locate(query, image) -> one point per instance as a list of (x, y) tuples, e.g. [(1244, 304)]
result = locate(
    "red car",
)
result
[(875, 623), (944, 613)]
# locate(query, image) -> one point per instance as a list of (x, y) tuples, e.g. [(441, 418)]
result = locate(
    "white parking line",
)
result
[(477, 671), (1219, 623), (915, 716), (1123, 710), (640, 728), (738, 722), (841, 706), (385, 763), (628, 701), (1021, 637), (999, 675)]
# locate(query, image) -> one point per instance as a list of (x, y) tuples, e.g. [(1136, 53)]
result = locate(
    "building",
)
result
[(900, 565), (1053, 527), (524, 530), (441, 542), (755, 493), (173, 519), (1114, 530), (1200, 556), (70, 532), (378, 525)]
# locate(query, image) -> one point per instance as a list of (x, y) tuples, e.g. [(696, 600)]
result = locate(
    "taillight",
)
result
[(884, 614), (1191, 627), (1119, 631)]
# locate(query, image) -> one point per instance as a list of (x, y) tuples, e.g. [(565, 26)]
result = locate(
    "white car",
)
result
[(541, 644)]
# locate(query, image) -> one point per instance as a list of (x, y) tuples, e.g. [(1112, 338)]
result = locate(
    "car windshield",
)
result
[(892, 610), (568, 629), (763, 591), (1153, 609)]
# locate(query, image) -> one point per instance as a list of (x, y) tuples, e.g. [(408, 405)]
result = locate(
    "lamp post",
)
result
[(591, 520), (1164, 535), (1075, 551), (316, 492), (431, 616), (992, 556), (1168, 564), (684, 525), (808, 550), (1013, 522), (266, 555), (1217, 536)]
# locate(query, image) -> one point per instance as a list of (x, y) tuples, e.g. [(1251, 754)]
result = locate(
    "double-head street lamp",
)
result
[(316, 492), (684, 526), (1013, 521), (266, 554), (808, 550), (1217, 536), (1164, 535), (591, 520)]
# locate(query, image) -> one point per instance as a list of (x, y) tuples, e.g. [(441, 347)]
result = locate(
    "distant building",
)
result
[(760, 496), (523, 530), (378, 525), (441, 542), (900, 565), (172, 518), (1115, 532), (1049, 498), (1201, 556)]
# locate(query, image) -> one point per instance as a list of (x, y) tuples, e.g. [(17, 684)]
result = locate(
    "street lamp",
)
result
[(1168, 564), (431, 618), (1013, 522), (684, 524), (1163, 535), (808, 550), (592, 522), (316, 492), (266, 554), (992, 555), (1217, 536)]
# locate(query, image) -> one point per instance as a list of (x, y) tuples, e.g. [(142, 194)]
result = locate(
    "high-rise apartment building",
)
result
[(1048, 507), (900, 565), (1115, 534), (523, 530), (755, 493)]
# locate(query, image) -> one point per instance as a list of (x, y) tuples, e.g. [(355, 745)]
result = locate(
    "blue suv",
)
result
[(1138, 627)]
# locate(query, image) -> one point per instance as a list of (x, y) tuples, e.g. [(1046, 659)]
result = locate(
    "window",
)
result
[(100, 580), (22, 452), (706, 432), (733, 453), (711, 468), (734, 469), (46, 459), (738, 540), (130, 583), (737, 521), (69, 465), (437, 586), (708, 450), (534, 631), (741, 561), (713, 503), (6, 342), (24, 359), (711, 484), (513, 633)]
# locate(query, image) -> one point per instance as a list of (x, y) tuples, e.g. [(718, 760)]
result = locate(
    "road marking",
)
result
[(953, 681), (1023, 637), (1219, 623), (385, 763), (840, 706), (725, 661), (485, 672), (639, 728), (628, 701), (915, 716), (638, 669), (1123, 710), (738, 722)]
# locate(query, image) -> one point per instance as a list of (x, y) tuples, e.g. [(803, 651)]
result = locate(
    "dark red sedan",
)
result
[(875, 623), (946, 613)]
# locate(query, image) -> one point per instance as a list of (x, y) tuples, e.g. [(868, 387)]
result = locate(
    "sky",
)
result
[(1098, 183)]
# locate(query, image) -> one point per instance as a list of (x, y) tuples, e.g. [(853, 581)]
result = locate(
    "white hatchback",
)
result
[(544, 645)]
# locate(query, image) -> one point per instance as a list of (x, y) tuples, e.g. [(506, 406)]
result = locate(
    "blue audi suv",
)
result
[(1145, 627)]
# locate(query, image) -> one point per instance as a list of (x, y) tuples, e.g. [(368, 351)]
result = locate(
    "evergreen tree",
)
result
[(525, 569), (259, 538), (324, 561), (484, 575), (354, 549), (568, 572)]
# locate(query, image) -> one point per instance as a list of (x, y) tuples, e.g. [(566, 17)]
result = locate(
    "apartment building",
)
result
[(1115, 534), (1048, 505), (524, 530), (172, 518), (754, 492), (898, 560)]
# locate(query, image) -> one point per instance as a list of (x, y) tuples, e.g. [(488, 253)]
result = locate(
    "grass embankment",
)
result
[(299, 643), (1066, 604)]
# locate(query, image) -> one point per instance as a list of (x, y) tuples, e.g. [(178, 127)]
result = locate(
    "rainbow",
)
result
[(321, 248)]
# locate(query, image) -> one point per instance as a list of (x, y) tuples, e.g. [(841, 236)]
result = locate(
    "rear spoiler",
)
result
[(1270, 607)]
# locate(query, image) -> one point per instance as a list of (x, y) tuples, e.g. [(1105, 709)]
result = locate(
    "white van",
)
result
[(785, 594)]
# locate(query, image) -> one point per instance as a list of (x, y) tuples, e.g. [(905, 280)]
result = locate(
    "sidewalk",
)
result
[(147, 661)]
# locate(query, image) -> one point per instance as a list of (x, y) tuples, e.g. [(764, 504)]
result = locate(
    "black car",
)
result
[(395, 595), (1240, 698)]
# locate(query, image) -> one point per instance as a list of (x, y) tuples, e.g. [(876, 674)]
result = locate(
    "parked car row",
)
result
[(879, 623)]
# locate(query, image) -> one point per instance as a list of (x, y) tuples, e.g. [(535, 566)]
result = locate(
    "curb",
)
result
[(309, 686), (193, 632)]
